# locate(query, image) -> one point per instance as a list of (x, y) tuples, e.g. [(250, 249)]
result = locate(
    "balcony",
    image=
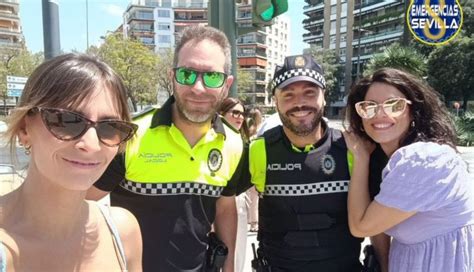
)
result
[(368, 3), (386, 35), (9, 31)]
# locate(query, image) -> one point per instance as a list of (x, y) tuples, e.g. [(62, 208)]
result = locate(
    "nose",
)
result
[(89, 141), (199, 85), (380, 111)]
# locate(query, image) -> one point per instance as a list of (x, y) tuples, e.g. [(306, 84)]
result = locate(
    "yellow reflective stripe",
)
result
[(350, 161), (258, 163)]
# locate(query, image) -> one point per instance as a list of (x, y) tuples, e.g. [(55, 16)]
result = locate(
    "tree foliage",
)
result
[(399, 57), (16, 62), (163, 67), (333, 70), (245, 81), (135, 63), (451, 70)]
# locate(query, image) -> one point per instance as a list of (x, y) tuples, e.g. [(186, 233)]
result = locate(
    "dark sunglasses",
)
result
[(393, 107), (186, 76), (237, 113), (68, 126)]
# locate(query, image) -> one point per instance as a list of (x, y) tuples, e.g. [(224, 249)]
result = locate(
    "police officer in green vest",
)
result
[(300, 169), (178, 176)]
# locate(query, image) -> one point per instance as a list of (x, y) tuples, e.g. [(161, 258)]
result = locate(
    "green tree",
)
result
[(245, 81), (332, 71), (451, 70), (468, 11), (163, 67), (135, 63), (400, 57), (16, 62)]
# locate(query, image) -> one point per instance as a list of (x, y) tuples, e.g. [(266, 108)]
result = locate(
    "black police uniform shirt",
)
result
[(174, 217), (303, 205)]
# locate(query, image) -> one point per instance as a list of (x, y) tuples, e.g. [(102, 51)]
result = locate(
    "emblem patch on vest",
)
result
[(328, 164), (214, 160)]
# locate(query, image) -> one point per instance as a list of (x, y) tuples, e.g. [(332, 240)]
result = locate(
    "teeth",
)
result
[(386, 125), (300, 113)]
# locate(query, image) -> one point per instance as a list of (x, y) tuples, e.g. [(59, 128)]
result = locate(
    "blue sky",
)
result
[(106, 15)]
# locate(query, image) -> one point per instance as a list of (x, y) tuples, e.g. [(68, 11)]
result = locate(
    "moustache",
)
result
[(302, 108)]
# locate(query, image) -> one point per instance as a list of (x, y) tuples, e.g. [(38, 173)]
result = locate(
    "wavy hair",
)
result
[(432, 121)]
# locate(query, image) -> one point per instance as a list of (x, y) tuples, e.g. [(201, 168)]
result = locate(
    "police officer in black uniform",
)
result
[(302, 170)]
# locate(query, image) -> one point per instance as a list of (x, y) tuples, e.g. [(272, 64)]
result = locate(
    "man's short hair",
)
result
[(198, 33)]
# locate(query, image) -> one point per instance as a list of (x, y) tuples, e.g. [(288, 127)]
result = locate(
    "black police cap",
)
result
[(298, 68)]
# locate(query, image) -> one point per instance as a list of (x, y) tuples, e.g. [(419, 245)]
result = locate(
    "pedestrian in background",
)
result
[(72, 119), (178, 176), (426, 199)]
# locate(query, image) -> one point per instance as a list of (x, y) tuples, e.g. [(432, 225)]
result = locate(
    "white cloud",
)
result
[(113, 10)]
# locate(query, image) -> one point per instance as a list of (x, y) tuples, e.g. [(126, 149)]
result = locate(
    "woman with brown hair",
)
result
[(426, 198), (72, 119)]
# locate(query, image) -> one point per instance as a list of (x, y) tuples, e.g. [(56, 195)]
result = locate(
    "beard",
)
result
[(197, 115), (301, 129)]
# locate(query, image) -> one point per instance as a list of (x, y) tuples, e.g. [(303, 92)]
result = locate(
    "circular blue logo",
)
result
[(434, 22)]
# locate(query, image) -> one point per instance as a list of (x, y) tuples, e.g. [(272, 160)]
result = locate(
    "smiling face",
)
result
[(197, 103), (300, 106), (76, 164), (386, 130), (235, 116)]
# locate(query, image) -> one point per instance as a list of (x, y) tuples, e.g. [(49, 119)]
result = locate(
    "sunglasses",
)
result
[(393, 107), (186, 76), (68, 126), (237, 114)]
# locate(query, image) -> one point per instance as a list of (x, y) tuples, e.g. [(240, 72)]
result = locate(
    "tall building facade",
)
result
[(157, 23), (11, 34), (356, 30), (278, 47)]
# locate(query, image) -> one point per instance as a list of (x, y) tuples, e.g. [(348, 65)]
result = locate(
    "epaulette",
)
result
[(228, 124), (144, 112), (273, 135), (337, 138)]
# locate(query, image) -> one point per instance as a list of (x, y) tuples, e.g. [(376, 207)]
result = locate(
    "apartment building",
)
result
[(278, 47), (157, 23), (10, 28), (356, 30)]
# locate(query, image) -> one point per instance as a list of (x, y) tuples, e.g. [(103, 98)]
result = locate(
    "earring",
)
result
[(412, 124), (27, 150)]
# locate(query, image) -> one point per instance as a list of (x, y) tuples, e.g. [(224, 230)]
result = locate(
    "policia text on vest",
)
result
[(302, 210)]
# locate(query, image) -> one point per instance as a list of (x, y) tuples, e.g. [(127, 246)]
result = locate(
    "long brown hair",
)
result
[(65, 82), (430, 116), (226, 106)]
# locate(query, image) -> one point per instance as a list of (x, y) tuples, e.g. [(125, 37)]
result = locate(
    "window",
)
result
[(164, 38), (163, 13), (333, 10), (333, 25), (163, 26)]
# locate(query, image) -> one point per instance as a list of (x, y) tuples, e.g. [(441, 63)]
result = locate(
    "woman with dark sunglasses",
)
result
[(72, 119), (233, 111), (426, 198)]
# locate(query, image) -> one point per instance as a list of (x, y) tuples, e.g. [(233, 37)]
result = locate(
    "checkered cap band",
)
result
[(181, 188), (318, 188), (299, 72)]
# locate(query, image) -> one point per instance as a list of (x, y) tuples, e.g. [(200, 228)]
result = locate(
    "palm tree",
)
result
[(399, 57)]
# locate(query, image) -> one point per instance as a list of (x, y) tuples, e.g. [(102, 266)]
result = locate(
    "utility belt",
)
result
[(216, 254), (259, 262), (370, 260)]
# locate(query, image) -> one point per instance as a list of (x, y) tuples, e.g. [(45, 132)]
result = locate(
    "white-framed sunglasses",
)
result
[(393, 107)]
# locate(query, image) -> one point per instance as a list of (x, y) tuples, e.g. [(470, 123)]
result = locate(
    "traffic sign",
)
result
[(14, 92), (15, 79), (17, 86)]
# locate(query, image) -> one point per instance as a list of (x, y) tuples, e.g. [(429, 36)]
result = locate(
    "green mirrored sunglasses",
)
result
[(187, 76)]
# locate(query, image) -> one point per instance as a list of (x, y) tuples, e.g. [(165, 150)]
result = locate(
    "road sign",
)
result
[(15, 79), (14, 92), (15, 86)]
